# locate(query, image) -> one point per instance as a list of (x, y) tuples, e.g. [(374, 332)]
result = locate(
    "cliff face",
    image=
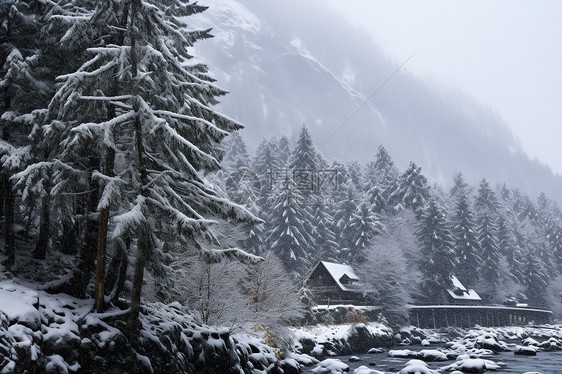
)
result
[(287, 63)]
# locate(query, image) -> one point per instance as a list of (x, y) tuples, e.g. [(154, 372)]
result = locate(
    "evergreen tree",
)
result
[(437, 257), (460, 188), (410, 191), (364, 226), (355, 175), (288, 234), (467, 246), (283, 151), (382, 171), (344, 211), (376, 200), (486, 200), (323, 236), (305, 155), (236, 155), (26, 83), (153, 148)]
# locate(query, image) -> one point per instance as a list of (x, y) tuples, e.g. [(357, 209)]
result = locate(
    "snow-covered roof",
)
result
[(460, 292), (337, 271)]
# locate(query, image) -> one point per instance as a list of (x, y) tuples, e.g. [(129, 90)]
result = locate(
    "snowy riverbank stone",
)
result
[(416, 367), (466, 364), (331, 366), (366, 370), (525, 350)]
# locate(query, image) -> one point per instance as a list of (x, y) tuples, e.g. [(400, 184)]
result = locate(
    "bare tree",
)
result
[(386, 276)]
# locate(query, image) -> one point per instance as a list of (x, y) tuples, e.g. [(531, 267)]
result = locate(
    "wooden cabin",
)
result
[(332, 283), (460, 295)]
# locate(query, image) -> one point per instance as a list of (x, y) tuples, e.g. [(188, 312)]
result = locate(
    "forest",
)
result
[(122, 183), (405, 235)]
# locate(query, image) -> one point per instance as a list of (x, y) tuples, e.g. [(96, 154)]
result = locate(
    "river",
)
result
[(543, 362)]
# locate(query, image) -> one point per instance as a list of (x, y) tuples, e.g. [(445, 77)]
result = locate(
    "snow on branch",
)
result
[(191, 118), (107, 98), (218, 255), (130, 219)]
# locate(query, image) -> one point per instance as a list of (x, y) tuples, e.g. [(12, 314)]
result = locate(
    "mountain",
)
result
[(289, 62)]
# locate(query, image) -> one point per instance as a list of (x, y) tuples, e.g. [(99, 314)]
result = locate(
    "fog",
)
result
[(505, 53), (288, 63)]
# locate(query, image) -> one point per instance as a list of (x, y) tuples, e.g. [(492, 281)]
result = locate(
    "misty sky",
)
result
[(507, 54)]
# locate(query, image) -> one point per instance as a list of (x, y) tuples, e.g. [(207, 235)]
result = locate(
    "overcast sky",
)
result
[(507, 54)]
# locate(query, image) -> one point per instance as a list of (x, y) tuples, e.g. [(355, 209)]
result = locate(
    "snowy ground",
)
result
[(45, 333)]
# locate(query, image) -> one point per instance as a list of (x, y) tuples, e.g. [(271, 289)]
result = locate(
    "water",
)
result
[(543, 362)]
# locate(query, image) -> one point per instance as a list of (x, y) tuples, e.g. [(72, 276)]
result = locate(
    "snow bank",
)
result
[(322, 340), (43, 333)]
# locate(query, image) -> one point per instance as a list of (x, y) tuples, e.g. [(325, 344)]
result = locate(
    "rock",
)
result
[(525, 351), (304, 359), (353, 359), (331, 366), (416, 367), (489, 341), (432, 355), (402, 353), (471, 365), (375, 350), (366, 370), (425, 343)]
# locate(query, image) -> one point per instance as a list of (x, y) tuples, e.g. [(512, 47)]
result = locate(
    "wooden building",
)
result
[(460, 295), (332, 283)]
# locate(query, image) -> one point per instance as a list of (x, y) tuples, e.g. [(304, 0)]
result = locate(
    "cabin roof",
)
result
[(460, 292), (337, 271)]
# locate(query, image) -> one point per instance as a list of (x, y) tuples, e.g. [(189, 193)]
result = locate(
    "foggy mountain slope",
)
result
[(288, 63)]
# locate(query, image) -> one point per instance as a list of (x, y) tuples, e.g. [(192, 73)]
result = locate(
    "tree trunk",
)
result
[(80, 277), (8, 200), (102, 236), (117, 270), (143, 232), (40, 250), (142, 250), (68, 241)]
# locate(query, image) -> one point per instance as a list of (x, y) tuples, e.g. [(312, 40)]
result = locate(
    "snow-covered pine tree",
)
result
[(410, 191), (437, 256), (466, 244), (355, 175), (236, 155), (327, 248), (283, 148), (305, 164), (535, 265), (137, 102), (384, 168), (486, 200), (364, 225), (346, 207), (305, 154), (289, 237), (24, 86), (268, 169)]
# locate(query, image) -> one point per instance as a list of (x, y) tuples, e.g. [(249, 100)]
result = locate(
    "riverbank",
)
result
[(500, 349)]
